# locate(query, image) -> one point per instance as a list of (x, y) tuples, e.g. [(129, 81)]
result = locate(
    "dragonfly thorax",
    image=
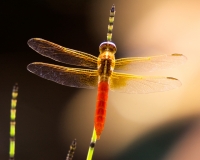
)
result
[(107, 46)]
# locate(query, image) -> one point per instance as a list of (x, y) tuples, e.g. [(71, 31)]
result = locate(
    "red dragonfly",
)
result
[(101, 73)]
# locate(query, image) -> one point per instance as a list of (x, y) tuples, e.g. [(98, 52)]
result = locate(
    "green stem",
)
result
[(92, 145), (12, 121)]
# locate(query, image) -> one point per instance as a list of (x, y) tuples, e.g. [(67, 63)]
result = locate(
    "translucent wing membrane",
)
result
[(62, 54), (87, 78), (142, 84), (146, 64), (73, 77)]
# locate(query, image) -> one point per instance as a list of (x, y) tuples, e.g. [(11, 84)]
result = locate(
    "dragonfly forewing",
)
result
[(73, 77), (148, 64), (129, 83), (62, 54)]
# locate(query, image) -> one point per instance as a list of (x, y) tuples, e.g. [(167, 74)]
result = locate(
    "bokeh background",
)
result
[(158, 126)]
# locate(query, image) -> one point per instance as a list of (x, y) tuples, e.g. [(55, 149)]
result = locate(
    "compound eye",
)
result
[(108, 46)]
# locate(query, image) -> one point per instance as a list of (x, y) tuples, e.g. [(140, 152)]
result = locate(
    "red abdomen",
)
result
[(100, 114)]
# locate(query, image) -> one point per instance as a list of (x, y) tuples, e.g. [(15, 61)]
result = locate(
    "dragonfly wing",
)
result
[(129, 83), (62, 54), (73, 77), (146, 64)]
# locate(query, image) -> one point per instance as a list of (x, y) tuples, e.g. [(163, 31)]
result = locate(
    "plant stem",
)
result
[(13, 122), (92, 145), (71, 150)]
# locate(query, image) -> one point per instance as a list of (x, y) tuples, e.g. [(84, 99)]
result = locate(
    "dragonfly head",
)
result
[(107, 46)]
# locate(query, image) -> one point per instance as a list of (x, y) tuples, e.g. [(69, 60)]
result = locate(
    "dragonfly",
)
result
[(103, 72)]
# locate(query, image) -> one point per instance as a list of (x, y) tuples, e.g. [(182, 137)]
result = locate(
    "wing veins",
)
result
[(142, 84), (62, 54), (73, 77), (146, 64)]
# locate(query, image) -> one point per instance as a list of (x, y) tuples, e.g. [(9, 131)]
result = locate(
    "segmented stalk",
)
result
[(92, 145), (13, 121), (111, 22), (71, 150)]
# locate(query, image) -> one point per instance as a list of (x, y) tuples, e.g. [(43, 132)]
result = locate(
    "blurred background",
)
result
[(158, 126)]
